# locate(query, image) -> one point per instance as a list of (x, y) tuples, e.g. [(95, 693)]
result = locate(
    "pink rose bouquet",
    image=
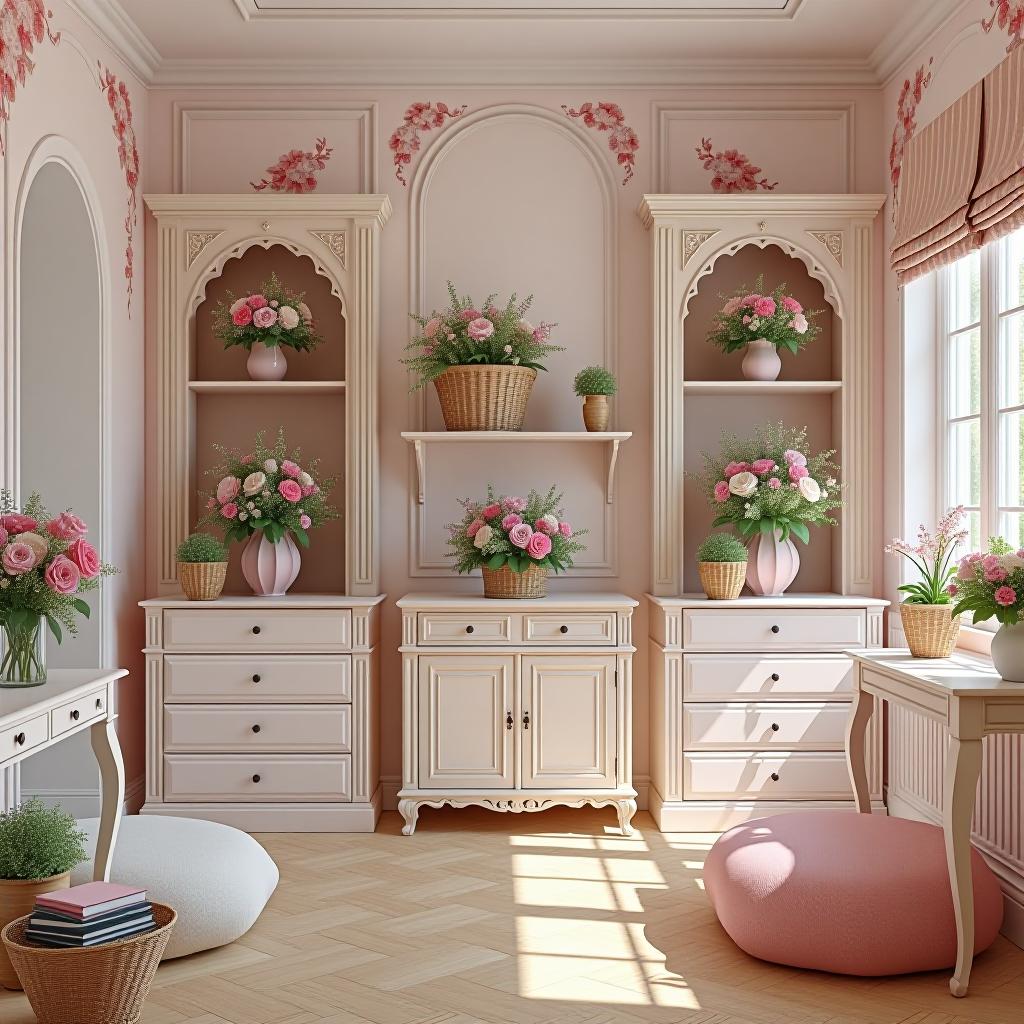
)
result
[(286, 496), (767, 484), (750, 316), (497, 533), (273, 316), (46, 564), (990, 584), (467, 335)]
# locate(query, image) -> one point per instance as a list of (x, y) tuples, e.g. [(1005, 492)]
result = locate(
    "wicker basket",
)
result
[(100, 985), (930, 629), (722, 581), (484, 397), (505, 583), (202, 581)]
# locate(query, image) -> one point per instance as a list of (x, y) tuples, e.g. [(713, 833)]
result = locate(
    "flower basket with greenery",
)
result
[(722, 564), (274, 316), (753, 315), (990, 584), (202, 566), (514, 541), (46, 564)]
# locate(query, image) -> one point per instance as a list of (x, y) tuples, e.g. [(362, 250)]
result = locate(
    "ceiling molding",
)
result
[(109, 20), (910, 34)]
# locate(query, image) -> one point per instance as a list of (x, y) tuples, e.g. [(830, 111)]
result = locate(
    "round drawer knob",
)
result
[(256, 630), (76, 715), (255, 778), (255, 728), (775, 776), (469, 629), (775, 677), (563, 629), (20, 739), (775, 629), (775, 726), (256, 677), (99, 703)]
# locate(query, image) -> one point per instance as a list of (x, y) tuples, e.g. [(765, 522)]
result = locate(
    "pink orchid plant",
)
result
[(991, 584), (932, 556), (274, 316), (754, 315)]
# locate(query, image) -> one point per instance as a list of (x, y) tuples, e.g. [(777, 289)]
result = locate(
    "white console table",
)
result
[(35, 718)]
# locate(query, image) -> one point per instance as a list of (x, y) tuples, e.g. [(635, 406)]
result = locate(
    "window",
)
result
[(981, 407)]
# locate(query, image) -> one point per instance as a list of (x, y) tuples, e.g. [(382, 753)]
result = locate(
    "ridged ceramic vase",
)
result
[(1008, 652), (270, 567), (761, 361), (266, 363), (772, 564)]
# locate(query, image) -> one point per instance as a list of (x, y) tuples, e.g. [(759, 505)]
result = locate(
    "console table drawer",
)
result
[(766, 776), (24, 736), (597, 628), (214, 629), (766, 629), (227, 679), (277, 729), (732, 677), (765, 725), (472, 628), (239, 778), (85, 709)]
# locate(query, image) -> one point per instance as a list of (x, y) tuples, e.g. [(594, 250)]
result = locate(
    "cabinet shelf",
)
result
[(419, 439), (761, 387), (267, 387)]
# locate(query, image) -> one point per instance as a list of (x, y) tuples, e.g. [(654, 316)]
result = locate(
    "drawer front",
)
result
[(24, 736), (783, 725), (473, 628), (279, 730), (257, 779), (272, 629), (766, 776), (85, 709), (728, 677), (596, 628), (768, 629), (229, 679)]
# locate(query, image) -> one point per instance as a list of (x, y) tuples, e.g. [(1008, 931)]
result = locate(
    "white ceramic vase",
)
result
[(772, 564), (270, 567), (1008, 652), (266, 363), (761, 361)]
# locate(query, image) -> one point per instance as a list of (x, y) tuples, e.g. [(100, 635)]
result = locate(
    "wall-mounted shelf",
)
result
[(421, 438), (761, 387), (267, 387)]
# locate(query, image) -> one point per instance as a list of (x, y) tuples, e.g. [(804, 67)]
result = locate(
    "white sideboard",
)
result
[(749, 705), (263, 713), (516, 705)]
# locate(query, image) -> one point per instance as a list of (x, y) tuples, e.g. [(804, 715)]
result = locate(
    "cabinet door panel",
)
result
[(570, 741), (464, 740)]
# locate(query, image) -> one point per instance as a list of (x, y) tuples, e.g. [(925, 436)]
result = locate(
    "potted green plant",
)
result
[(594, 384), (722, 562), (202, 566), (39, 846)]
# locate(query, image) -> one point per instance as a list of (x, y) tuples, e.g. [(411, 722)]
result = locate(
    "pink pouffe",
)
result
[(850, 893)]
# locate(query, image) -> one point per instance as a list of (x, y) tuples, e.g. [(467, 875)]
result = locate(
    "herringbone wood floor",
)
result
[(529, 919)]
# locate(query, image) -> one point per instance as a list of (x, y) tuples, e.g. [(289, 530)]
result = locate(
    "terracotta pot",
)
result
[(761, 361), (270, 567), (1008, 652), (930, 629), (595, 412), (266, 363), (772, 564), (17, 898)]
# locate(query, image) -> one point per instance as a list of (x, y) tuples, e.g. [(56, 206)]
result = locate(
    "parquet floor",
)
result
[(529, 919)]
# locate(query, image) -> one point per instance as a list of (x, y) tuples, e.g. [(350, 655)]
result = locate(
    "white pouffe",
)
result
[(217, 878)]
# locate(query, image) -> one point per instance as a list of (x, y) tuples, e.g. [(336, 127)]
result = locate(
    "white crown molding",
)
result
[(658, 207), (912, 32), (109, 20), (368, 205)]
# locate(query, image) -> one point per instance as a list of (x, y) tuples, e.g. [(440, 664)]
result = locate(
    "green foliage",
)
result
[(932, 556), (738, 323), (444, 338), (594, 380), (301, 335), (721, 547), (991, 584), (37, 841), (202, 547)]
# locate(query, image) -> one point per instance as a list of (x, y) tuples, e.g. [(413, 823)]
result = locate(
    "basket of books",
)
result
[(88, 954)]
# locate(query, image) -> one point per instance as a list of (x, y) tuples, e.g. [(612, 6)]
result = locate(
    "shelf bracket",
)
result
[(421, 470), (613, 458)]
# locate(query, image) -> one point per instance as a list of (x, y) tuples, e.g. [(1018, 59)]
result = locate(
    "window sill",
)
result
[(975, 640)]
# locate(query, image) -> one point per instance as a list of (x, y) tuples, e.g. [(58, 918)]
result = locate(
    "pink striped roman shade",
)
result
[(939, 168), (997, 202)]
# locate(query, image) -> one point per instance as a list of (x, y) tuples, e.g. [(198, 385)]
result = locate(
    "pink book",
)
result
[(90, 899)]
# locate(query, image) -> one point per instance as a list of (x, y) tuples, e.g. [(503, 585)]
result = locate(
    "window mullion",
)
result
[(989, 270)]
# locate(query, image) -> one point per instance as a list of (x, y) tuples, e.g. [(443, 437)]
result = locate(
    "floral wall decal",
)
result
[(296, 170), (1008, 16), (608, 117), (420, 117), (906, 121), (128, 154), (731, 170), (23, 23)]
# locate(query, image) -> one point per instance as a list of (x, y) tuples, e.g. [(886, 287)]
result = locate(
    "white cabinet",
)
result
[(517, 705)]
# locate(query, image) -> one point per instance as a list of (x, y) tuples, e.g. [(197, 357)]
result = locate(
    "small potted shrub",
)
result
[(202, 566), (722, 562), (594, 384), (39, 846)]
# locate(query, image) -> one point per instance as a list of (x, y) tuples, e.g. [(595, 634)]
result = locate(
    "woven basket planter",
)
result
[(484, 397), (722, 581), (101, 985), (504, 583), (202, 581), (930, 629)]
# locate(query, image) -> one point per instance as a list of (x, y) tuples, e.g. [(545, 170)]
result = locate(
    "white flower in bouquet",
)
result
[(254, 483), (483, 536), (743, 484), (270, 465), (809, 488), (288, 317), (305, 480)]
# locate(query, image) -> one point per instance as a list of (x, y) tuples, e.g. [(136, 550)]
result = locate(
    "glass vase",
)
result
[(22, 654)]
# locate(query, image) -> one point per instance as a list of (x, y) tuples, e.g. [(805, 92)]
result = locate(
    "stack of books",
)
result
[(89, 915)]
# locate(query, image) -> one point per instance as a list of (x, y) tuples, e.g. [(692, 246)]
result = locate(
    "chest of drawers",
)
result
[(749, 705), (262, 713)]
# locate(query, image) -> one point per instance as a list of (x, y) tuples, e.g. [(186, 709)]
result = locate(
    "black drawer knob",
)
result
[(775, 776), (76, 715), (775, 726), (255, 778), (775, 677), (255, 728), (563, 629), (99, 703), (20, 739), (256, 630), (469, 629), (256, 677), (775, 629)]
